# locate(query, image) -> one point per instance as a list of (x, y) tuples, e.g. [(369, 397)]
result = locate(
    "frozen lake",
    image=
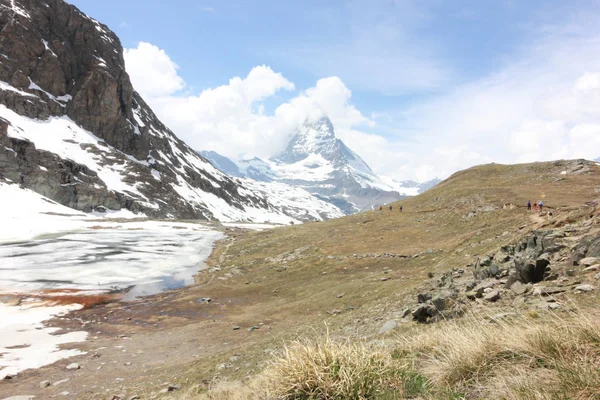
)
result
[(151, 256), (147, 257)]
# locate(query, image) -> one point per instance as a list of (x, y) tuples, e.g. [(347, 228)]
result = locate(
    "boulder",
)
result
[(388, 326), (584, 288), (423, 297), (424, 313), (549, 291), (527, 272), (588, 261), (592, 268), (519, 288), (492, 296)]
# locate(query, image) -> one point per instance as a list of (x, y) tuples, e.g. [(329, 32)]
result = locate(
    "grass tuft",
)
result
[(330, 370)]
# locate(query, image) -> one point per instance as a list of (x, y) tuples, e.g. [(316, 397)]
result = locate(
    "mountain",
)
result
[(73, 129), (317, 161)]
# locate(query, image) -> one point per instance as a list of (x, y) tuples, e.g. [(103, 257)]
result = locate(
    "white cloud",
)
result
[(230, 118), (151, 70), (542, 104)]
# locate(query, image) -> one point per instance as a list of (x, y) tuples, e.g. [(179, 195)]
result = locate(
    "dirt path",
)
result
[(537, 218)]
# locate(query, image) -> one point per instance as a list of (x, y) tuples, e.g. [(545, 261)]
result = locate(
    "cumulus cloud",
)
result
[(152, 71), (230, 119), (541, 104)]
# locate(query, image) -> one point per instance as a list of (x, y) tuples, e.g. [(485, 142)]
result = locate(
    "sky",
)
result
[(419, 89)]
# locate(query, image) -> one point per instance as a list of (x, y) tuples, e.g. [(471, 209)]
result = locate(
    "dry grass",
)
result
[(549, 358), (330, 370)]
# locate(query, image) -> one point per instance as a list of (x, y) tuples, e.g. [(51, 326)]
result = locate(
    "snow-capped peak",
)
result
[(318, 139), (317, 161)]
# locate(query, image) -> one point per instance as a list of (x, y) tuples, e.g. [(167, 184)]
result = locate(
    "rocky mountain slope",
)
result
[(73, 129), (316, 160)]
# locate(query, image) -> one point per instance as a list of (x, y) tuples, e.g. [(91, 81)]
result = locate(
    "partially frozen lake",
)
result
[(147, 256), (151, 256)]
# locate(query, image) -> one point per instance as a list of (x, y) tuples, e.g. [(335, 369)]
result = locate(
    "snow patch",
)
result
[(6, 86), (16, 9), (60, 135), (48, 48), (60, 99), (26, 343)]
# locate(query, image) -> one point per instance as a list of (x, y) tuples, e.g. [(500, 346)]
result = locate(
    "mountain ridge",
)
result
[(316, 160)]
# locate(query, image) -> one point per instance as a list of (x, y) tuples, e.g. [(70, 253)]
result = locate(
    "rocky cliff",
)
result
[(73, 128)]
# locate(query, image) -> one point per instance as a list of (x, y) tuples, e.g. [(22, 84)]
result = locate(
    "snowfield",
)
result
[(24, 341)]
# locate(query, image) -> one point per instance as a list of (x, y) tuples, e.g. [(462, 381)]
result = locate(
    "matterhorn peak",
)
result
[(322, 128)]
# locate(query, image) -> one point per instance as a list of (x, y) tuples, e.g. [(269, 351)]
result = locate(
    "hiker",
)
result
[(400, 208), (535, 206), (528, 205), (390, 208), (380, 208), (549, 216), (541, 205)]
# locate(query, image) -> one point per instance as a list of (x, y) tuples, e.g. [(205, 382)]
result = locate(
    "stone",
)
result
[(236, 328), (591, 268), (492, 296), (253, 328), (423, 297), (441, 302), (584, 288), (170, 388), (527, 272), (73, 366), (135, 397), (553, 306), (45, 384), (589, 261), (472, 295), (424, 313), (519, 288), (597, 276), (549, 291), (388, 326)]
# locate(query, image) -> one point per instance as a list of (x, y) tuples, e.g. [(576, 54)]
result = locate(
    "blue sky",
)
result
[(398, 58)]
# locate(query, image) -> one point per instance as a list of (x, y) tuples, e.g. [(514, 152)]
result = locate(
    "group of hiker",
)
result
[(381, 208), (537, 205)]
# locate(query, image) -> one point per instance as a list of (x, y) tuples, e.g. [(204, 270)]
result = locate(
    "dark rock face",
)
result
[(60, 63), (588, 247)]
